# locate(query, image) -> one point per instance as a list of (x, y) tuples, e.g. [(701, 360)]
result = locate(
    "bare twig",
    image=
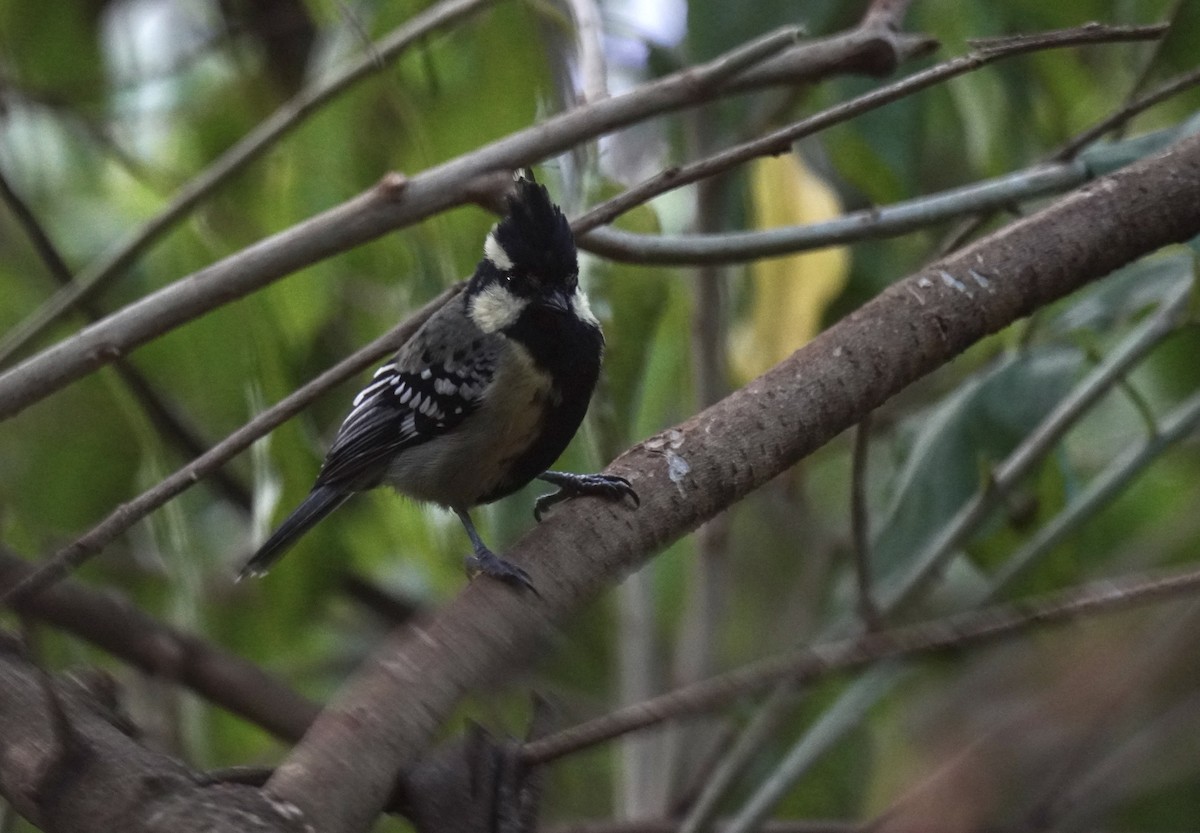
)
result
[(869, 224), (1087, 33), (927, 563), (780, 140), (246, 150), (394, 203), (229, 681), (161, 412), (1123, 115), (803, 666), (1176, 426), (124, 516)]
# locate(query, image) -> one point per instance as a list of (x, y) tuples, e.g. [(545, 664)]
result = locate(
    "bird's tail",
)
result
[(320, 502)]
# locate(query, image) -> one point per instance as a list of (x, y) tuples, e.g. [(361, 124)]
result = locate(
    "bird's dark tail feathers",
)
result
[(320, 502)]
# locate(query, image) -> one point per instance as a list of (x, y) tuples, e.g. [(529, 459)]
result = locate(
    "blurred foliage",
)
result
[(790, 294), (108, 106)]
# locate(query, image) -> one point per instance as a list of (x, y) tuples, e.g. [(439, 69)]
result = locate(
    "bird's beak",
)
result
[(558, 301)]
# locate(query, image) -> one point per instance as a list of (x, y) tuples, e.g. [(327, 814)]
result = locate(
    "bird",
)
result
[(483, 398)]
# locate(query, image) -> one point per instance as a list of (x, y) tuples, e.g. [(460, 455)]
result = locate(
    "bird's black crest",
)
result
[(534, 233)]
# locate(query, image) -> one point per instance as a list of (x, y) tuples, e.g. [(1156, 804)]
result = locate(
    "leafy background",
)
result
[(109, 106)]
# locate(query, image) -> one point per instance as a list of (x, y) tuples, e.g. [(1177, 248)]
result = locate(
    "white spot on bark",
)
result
[(982, 280), (677, 469), (955, 283)]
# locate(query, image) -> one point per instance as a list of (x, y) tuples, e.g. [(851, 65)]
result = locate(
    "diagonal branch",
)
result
[(780, 140), (259, 140), (386, 715), (174, 427), (110, 782), (398, 201), (127, 514), (925, 638), (227, 680)]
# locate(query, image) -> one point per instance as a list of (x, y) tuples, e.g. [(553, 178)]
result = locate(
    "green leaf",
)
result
[(955, 442)]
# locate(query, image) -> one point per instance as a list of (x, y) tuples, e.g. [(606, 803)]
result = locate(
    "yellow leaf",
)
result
[(790, 294)]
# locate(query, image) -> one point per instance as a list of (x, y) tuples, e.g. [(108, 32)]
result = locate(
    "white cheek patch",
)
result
[(496, 308), (581, 307), (494, 252)]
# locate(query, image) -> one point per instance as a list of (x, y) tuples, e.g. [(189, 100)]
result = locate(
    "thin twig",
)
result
[(289, 116), (137, 638), (1123, 115), (1087, 33), (929, 561), (127, 514), (395, 202), (950, 633), (162, 413), (868, 224), (1177, 426), (780, 140)]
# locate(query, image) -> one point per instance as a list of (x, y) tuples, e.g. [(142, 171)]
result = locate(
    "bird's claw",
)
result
[(487, 563), (607, 486)]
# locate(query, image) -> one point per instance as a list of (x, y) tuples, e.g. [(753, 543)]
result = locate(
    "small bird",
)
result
[(483, 398)]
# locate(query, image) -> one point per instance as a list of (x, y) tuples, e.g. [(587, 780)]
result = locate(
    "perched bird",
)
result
[(483, 398)]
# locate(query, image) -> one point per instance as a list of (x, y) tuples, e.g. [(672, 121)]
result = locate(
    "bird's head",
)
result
[(529, 265)]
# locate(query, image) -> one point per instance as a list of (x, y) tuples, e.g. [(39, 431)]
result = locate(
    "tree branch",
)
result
[(807, 664), (868, 224), (109, 782), (780, 140), (251, 146), (397, 202), (383, 719), (131, 635), (126, 515)]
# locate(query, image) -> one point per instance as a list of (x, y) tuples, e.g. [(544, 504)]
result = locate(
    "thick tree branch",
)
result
[(102, 779), (131, 635), (385, 716)]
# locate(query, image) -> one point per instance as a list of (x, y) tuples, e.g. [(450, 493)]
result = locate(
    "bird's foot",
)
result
[(608, 486), (487, 563)]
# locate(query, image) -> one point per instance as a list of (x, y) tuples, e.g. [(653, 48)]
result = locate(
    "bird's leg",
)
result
[(569, 485), (487, 562)]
